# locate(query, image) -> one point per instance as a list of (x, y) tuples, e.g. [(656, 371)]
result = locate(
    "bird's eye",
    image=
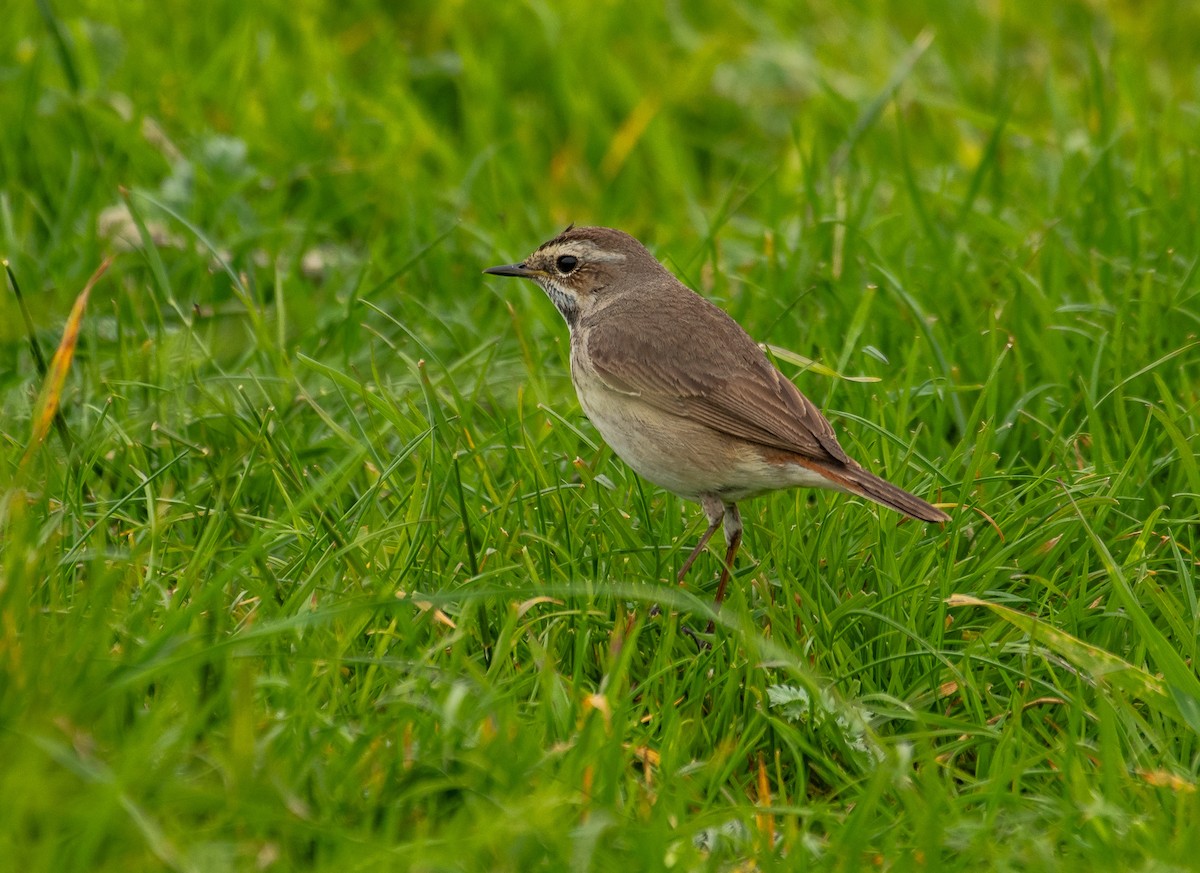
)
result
[(566, 263)]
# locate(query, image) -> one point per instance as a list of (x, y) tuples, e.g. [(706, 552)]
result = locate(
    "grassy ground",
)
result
[(325, 569)]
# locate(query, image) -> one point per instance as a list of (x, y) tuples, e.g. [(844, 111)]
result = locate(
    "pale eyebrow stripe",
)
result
[(586, 249)]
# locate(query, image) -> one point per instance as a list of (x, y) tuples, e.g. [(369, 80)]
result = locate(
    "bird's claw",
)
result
[(701, 643)]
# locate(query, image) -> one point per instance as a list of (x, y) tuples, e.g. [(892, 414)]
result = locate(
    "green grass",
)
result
[(328, 570)]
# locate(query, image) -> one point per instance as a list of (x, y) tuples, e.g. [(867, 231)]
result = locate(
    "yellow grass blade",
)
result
[(809, 364), (1101, 666), (60, 365)]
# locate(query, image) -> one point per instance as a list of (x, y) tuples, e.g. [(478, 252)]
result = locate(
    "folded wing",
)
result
[(727, 385)]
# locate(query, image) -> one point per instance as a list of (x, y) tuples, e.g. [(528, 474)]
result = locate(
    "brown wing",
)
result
[(701, 365)]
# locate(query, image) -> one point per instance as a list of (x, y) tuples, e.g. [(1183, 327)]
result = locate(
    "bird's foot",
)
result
[(702, 644)]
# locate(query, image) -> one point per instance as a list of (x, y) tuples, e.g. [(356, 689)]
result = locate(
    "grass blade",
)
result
[(60, 365)]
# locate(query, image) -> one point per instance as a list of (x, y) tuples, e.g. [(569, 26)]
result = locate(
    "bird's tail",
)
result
[(856, 480)]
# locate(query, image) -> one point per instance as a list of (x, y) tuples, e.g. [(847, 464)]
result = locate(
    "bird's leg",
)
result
[(714, 509), (733, 539), (713, 524)]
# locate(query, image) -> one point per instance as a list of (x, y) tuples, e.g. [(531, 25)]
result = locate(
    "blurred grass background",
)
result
[(328, 570)]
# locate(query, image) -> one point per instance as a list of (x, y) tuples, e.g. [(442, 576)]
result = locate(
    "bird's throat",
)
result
[(564, 302)]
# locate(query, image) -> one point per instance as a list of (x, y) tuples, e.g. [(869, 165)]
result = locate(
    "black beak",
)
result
[(519, 270)]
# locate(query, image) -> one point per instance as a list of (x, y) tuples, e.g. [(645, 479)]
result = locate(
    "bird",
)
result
[(683, 394)]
